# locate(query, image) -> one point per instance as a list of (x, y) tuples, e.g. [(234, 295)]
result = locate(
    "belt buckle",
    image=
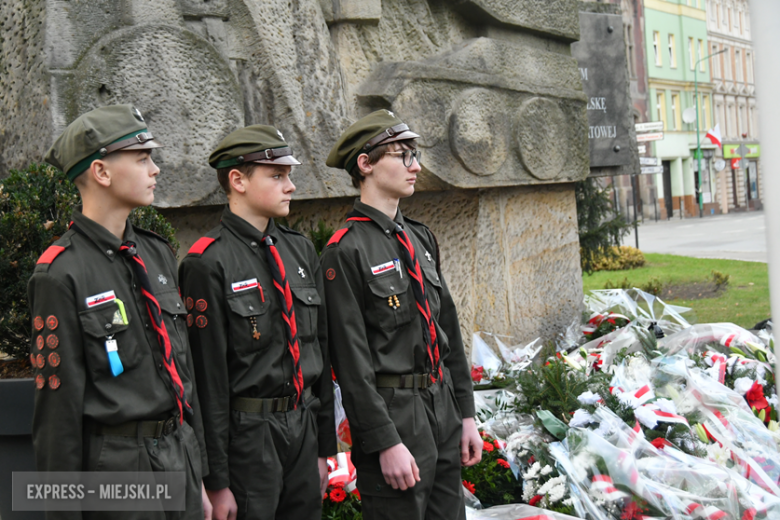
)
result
[(169, 425)]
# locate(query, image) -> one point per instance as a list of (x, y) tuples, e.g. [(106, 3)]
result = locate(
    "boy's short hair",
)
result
[(223, 174), (376, 153)]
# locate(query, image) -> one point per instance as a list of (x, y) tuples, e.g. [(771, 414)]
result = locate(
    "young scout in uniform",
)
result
[(113, 371), (258, 336), (395, 340)]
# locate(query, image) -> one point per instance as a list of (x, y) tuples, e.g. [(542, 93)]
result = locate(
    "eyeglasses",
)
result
[(408, 156)]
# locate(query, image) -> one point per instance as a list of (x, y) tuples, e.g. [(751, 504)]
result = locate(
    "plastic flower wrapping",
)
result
[(632, 413)]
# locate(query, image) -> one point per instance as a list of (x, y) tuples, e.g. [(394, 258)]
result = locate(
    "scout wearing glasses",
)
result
[(394, 336), (113, 371), (257, 330)]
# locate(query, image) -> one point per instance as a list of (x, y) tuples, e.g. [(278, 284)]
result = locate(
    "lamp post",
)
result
[(698, 137)]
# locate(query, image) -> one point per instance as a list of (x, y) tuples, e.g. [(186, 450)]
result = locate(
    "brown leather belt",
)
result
[(154, 429), (274, 404), (404, 381)]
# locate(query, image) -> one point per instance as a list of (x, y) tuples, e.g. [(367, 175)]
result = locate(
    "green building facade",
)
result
[(675, 41)]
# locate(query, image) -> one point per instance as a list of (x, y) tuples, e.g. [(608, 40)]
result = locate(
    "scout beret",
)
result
[(256, 143), (96, 134), (380, 127)]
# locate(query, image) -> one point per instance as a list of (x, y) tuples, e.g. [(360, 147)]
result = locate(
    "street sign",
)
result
[(655, 136), (743, 150), (651, 169), (642, 148), (655, 126), (650, 161)]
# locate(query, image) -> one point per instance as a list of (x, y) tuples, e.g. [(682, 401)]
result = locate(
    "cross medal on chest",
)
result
[(301, 272)]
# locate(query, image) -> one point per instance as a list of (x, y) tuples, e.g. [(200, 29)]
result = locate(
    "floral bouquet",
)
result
[(639, 307), (492, 480), (341, 501)]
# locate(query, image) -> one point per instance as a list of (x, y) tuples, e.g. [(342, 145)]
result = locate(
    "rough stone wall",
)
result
[(25, 122), (489, 84), (510, 256)]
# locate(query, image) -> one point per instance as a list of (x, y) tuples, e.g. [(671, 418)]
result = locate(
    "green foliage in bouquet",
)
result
[(492, 480), (599, 227), (338, 504), (318, 235), (554, 387), (35, 209)]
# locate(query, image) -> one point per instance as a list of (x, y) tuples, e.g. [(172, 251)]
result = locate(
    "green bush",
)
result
[(619, 258), (721, 280), (598, 225), (652, 286), (35, 209)]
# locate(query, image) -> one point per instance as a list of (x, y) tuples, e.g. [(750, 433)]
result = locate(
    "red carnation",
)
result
[(755, 397), (535, 500), (468, 485), (531, 460), (357, 494), (477, 373), (499, 444), (486, 446), (660, 443), (338, 495), (502, 463)]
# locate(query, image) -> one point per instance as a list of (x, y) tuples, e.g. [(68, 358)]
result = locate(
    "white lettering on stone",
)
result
[(598, 103), (602, 132), (584, 73)]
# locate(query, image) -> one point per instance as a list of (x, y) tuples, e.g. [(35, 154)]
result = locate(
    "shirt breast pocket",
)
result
[(100, 324), (175, 317), (432, 289), (391, 301), (250, 325), (306, 305)]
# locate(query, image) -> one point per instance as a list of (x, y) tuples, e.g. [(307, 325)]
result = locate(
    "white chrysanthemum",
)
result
[(589, 398), (568, 502), (550, 484), (646, 417), (529, 490), (580, 419), (742, 385), (533, 472), (666, 405), (546, 470), (557, 493), (604, 429)]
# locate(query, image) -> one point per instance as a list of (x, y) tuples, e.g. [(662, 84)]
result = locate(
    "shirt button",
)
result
[(392, 288), (253, 244), (387, 231), (309, 298), (159, 366), (178, 305), (288, 383), (109, 252), (251, 308), (108, 326), (133, 286), (174, 317), (146, 325)]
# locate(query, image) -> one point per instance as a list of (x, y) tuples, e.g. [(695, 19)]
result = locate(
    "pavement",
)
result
[(735, 236)]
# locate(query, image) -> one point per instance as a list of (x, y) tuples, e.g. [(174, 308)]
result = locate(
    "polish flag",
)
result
[(714, 135)]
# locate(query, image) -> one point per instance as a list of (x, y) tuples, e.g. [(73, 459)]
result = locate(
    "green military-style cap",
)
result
[(380, 127), (256, 143), (96, 134)]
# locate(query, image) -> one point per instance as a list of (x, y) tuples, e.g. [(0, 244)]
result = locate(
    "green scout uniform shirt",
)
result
[(229, 361), (70, 338), (368, 336)]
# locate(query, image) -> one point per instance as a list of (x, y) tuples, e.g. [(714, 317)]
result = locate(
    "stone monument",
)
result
[(490, 85)]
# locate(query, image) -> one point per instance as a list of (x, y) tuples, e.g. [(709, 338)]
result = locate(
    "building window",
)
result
[(724, 21), (676, 112), (657, 48), (702, 64), (738, 22), (741, 118), (715, 65), (706, 114), (729, 20), (672, 52), (727, 64), (749, 66), (660, 105), (738, 65), (711, 7), (691, 55)]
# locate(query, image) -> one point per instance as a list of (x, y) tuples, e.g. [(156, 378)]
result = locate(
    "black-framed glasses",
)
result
[(407, 156)]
